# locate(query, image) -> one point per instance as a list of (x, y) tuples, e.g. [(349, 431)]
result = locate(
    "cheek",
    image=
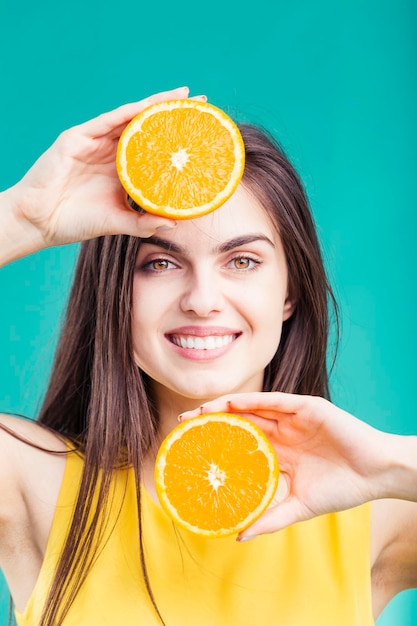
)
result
[(267, 299), (144, 353), (136, 342), (151, 304), (271, 336), (270, 306), (141, 322), (146, 303)]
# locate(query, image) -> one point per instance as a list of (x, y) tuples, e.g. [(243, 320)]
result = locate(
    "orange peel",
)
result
[(216, 474), (180, 159)]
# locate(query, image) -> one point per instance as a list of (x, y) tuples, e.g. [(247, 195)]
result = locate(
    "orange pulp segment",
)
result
[(216, 474)]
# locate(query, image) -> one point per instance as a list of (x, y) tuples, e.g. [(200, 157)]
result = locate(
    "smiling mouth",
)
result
[(211, 342)]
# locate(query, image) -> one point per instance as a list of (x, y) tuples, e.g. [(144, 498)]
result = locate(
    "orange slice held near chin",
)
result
[(180, 159), (216, 474)]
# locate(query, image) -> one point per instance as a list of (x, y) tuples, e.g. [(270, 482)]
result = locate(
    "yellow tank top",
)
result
[(315, 573)]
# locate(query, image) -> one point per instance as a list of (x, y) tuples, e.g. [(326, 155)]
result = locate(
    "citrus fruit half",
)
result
[(216, 474), (180, 159)]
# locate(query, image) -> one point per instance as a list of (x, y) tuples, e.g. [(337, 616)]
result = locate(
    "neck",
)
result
[(169, 406)]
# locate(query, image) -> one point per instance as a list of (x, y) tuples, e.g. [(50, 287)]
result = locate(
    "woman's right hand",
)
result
[(72, 193)]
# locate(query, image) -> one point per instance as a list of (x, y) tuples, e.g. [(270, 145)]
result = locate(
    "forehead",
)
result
[(242, 214)]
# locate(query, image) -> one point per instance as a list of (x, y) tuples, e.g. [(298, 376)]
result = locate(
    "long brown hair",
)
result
[(99, 399), (299, 365)]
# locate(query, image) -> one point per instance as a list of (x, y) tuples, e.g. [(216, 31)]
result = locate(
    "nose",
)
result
[(202, 294)]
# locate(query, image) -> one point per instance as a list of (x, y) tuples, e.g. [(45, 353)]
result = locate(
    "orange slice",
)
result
[(216, 474), (180, 159)]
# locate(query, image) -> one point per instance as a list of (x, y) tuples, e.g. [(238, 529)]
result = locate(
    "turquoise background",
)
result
[(336, 83)]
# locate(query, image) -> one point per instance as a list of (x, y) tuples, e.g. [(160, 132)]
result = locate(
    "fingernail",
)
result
[(166, 226), (204, 98), (246, 538), (185, 89), (179, 418)]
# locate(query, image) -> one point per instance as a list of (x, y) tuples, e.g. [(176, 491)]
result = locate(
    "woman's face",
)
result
[(209, 299)]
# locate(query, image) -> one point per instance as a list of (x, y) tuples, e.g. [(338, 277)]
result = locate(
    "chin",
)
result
[(204, 387), (203, 392)]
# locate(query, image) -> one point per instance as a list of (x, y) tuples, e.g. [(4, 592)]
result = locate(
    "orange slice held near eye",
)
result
[(180, 159), (216, 474)]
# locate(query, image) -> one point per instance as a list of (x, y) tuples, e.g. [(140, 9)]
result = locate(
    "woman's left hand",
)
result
[(329, 459)]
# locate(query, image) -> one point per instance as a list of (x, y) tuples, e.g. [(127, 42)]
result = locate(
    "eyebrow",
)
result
[(243, 240), (226, 246)]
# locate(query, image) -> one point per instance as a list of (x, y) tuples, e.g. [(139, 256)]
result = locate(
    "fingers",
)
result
[(113, 122), (274, 519), (105, 123), (252, 403)]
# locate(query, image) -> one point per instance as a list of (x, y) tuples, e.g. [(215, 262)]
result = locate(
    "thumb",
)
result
[(273, 519)]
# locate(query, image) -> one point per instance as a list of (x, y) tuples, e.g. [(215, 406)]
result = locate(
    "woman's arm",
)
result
[(72, 193)]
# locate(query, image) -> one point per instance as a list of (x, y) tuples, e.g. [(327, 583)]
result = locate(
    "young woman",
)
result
[(225, 312)]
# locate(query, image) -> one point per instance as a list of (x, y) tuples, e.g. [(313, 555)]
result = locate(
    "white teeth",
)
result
[(202, 343), (210, 343), (199, 343)]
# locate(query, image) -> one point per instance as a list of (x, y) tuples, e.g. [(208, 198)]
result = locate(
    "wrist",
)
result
[(18, 237)]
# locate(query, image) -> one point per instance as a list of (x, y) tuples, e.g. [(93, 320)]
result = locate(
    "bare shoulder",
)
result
[(393, 548), (27, 429), (26, 459)]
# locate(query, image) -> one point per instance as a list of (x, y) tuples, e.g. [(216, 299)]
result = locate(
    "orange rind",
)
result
[(216, 474), (180, 159)]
